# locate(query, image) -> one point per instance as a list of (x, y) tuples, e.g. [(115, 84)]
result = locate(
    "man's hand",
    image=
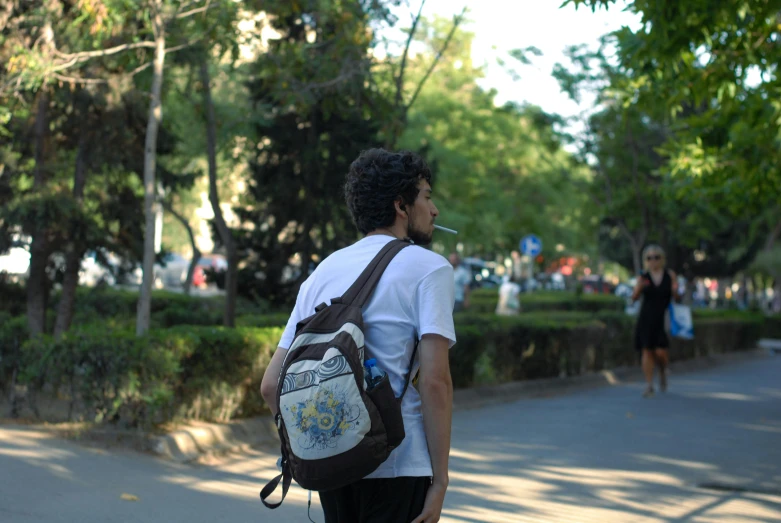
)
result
[(432, 508)]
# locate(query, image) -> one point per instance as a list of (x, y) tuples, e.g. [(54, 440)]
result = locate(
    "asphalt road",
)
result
[(707, 451)]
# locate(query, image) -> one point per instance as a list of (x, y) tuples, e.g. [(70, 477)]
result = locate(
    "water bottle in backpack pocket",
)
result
[(379, 389)]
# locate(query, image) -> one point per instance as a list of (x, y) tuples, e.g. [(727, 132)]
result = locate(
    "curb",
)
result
[(199, 439)]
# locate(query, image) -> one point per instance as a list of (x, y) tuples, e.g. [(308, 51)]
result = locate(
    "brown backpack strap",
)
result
[(286, 477), (360, 291)]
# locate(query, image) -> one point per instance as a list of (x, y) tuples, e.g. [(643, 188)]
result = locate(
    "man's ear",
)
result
[(400, 207)]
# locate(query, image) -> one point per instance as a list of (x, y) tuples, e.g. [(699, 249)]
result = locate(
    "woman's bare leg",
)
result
[(649, 362), (663, 359)]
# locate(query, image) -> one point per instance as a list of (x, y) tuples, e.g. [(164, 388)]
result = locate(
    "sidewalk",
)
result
[(199, 439)]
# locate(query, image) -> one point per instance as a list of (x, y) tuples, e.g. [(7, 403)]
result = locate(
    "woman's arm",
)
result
[(641, 284), (674, 278)]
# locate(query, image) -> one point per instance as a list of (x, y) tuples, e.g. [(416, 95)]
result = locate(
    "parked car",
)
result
[(172, 272), (483, 273), (212, 268), (596, 284), (552, 282)]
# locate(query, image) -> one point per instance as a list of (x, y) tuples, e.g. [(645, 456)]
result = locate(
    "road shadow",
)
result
[(609, 455)]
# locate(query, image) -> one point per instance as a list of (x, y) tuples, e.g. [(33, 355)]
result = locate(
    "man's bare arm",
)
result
[(268, 387), (436, 393)]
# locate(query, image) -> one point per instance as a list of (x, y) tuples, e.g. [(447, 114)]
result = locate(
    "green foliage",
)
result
[(486, 300), (490, 161), (263, 320), (12, 297), (208, 373), (13, 334), (522, 347), (320, 109), (642, 196), (221, 370), (494, 349), (712, 70), (114, 374)]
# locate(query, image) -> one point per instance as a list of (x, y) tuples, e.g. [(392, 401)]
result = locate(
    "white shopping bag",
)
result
[(681, 323)]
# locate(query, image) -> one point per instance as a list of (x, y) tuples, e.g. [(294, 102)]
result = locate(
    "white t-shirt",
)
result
[(414, 297)]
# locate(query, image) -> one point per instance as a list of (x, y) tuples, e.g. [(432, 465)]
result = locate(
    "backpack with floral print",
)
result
[(333, 430)]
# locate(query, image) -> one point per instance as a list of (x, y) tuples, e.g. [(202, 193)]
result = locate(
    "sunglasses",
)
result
[(654, 257)]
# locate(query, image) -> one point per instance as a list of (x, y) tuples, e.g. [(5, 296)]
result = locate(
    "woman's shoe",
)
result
[(648, 392)]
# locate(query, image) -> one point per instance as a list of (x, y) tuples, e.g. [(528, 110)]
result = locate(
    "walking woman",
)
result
[(657, 286)]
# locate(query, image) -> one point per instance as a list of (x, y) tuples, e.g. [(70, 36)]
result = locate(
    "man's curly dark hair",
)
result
[(376, 180)]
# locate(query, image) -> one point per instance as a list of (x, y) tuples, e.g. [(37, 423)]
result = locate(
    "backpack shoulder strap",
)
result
[(286, 477), (360, 291)]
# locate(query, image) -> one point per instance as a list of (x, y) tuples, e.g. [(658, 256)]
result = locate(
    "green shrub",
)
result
[(196, 314), (527, 346), (186, 372), (719, 335), (112, 374), (278, 319), (495, 349), (485, 301), (772, 328), (13, 297), (13, 334), (221, 370)]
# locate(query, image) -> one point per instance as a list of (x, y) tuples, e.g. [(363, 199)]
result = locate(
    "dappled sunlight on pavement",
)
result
[(610, 456), (706, 452)]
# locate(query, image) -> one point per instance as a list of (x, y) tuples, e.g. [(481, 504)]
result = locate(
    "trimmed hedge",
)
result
[(187, 367), (187, 372), (485, 301), (496, 349)]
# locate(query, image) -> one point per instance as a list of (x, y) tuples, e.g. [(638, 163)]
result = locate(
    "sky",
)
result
[(502, 25)]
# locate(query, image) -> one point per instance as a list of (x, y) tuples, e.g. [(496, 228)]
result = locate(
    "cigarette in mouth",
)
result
[(451, 231)]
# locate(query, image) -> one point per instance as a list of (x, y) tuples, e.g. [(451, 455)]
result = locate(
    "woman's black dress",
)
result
[(650, 332)]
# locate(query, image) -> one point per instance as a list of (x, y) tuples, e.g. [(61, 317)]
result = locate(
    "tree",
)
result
[(317, 108), (33, 64), (399, 79), (501, 172), (624, 139), (225, 233), (717, 68), (150, 151)]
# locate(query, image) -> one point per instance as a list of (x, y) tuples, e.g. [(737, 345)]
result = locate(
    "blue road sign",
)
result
[(531, 245)]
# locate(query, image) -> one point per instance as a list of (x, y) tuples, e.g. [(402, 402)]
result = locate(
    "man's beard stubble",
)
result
[(418, 237)]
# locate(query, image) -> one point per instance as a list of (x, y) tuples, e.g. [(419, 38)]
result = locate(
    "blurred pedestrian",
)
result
[(509, 304), (462, 279), (658, 286)]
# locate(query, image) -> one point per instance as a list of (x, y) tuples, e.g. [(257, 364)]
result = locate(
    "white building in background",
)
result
[(16, 262)]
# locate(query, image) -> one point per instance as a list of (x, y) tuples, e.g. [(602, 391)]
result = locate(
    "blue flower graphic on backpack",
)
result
[(324, 417)]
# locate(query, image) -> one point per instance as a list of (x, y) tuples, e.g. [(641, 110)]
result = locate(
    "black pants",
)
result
[(386, 500)]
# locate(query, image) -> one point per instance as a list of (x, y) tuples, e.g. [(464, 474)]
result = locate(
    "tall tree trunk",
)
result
[(75, 249), (150, 187), (37, 280), (231, 278), (775, 306), (196, 252)]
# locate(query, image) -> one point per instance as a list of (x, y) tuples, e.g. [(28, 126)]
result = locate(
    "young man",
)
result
[(389, 196)]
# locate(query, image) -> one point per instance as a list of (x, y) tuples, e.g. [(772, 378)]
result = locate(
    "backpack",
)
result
[(333, 430)]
